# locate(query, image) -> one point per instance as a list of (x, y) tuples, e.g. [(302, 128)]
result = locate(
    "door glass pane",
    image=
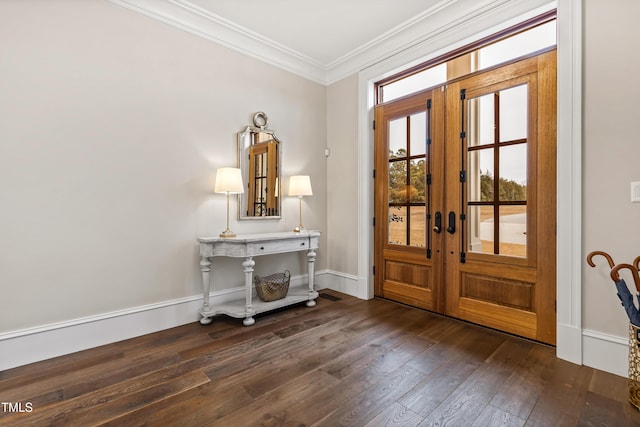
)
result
[(480, 225), (419, 81), (513, 113), (513, 231), (518, 45), (503, 162), (481, 120), (512, 47), (513, 172), (398, 225), (417, 235), (480, 175), (418, 125), (417, 193), (398, 181), (407, 180), (398, 138)]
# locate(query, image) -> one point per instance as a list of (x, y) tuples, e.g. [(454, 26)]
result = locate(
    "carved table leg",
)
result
[(248, 285), (205, 267), (311, 259)]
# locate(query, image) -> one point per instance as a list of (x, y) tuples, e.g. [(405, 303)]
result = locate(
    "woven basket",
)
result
[(272, 287), (634, 365)]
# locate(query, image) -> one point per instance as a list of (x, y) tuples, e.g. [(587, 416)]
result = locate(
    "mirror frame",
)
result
[(245, 142)]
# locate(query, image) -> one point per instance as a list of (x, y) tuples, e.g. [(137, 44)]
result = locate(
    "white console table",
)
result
[(247, 247)]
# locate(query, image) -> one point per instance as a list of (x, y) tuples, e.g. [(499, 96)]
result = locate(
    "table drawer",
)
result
[(278, 246)]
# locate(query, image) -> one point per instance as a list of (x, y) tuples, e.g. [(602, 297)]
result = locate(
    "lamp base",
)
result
[(227, 233), (298, 229)]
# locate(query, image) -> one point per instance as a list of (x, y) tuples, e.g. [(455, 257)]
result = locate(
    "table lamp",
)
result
[(300, 185), (229, 181)]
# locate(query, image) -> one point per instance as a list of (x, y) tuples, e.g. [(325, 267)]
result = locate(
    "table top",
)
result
[(244, 238)]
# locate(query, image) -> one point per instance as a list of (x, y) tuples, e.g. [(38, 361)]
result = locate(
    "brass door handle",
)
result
[(437, 228)]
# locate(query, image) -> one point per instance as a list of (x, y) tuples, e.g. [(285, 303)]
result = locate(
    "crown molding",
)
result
[(187, 17), (443, 18)]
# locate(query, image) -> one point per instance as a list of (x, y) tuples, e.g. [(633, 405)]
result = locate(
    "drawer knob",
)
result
[(302, 244), (262, 248)]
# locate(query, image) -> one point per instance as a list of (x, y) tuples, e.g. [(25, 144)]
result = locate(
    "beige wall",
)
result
[(342, 175), (111, 128), (611, 152)]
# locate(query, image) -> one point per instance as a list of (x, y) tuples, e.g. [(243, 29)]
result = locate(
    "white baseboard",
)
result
[(605, 352), (41, 343), (340, 282), (608, 353), (569, 343), (44, 342)]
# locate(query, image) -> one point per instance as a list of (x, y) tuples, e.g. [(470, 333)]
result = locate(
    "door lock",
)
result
[(451, 228), (437, 228)]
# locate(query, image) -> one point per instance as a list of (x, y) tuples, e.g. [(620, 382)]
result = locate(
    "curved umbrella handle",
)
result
[(634, 272), (636, 263), (604, 254)]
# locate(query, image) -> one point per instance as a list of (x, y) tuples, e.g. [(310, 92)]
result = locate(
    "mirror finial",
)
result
[(260, 120)]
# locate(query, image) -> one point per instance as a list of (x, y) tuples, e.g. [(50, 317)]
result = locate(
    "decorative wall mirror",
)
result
[(259, 158)]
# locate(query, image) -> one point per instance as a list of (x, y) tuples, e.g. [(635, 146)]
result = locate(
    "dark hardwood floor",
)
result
[(344, 362)]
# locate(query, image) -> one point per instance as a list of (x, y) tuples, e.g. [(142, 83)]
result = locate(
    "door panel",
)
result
[(409, 262), (500, 268), (487, 168)]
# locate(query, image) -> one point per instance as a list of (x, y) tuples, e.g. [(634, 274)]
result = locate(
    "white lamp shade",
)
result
[(229, 180), (300, 185)]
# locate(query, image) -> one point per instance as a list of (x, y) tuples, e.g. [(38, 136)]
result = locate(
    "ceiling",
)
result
[(325, 32), (322, 41)]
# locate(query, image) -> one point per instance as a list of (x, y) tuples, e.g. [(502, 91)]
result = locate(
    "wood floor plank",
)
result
[(113, 375), (459, 342), (610, 386), (372, 401), (602, 411), (173, 339), (564, 395), (370, 345), (281, 366), (355, 369), (57, 366), (115, 409), (495, 417), (324, 402), (273, 408), (86, 379), (470, 398), (437, 327), (234, 369), (283, 371), (244, 339), (510, 353), (240, 335), (345, 361), (437, 386), (96, 408), (201, 406), (95, 397), (358, 370), (521, 391), (395, 415)]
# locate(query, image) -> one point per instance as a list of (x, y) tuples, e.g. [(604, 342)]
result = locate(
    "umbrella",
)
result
[(624, 294), (627, 302), (604, 254)]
